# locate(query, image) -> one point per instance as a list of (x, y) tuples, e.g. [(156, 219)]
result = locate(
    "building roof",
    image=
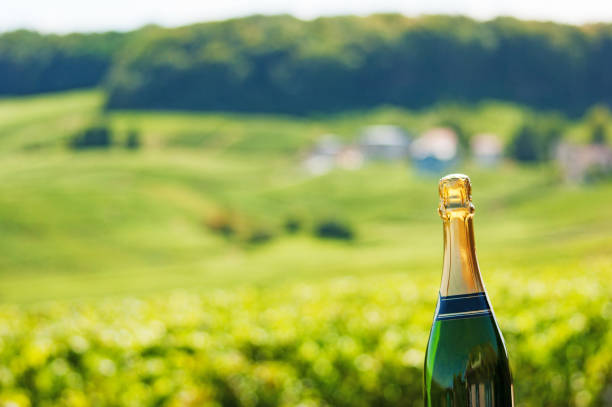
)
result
[(440, 143), (576, 160), (384, 135), (486, 144), (329, 144)]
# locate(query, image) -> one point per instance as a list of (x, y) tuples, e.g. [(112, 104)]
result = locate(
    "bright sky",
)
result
[(90, 15)]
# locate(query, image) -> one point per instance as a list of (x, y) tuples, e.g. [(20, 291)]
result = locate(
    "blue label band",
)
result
[(462, 306)]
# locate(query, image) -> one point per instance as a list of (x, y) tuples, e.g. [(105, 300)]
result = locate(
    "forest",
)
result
[(281, 64)]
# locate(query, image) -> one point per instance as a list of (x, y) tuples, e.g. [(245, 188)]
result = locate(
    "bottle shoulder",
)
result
[(469, 348), (466, 364)]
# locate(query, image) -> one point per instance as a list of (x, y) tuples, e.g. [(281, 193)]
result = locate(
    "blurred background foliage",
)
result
[(283, 64), (163, 244)]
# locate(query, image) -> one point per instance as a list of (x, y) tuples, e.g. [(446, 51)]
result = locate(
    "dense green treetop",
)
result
[(283, 64), (32, 63)]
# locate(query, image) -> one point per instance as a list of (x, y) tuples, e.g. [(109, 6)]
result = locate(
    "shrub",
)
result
[(598, 173), (221, 222), (97, 136), (334, 229), (534, 140), (132, 140), (292, 224), (598, 118), (598, 133), (238, 228), (524, 145), (258, 234)]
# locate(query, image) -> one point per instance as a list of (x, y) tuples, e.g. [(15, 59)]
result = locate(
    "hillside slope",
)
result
[(111, 222)]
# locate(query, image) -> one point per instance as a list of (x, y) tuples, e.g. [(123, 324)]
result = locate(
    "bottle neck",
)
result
[(461, 274)]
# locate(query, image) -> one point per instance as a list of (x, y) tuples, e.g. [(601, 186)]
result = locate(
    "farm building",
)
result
[(435, 150), (384, 143), (578, 161), (329, 153), (487, 149)]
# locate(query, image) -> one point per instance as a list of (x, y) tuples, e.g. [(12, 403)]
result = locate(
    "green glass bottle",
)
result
[(466, 363)]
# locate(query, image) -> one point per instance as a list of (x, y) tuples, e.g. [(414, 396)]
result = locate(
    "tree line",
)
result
[(283, 64), (31, 62)]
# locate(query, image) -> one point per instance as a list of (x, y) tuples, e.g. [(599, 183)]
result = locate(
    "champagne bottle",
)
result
[(466, 363)]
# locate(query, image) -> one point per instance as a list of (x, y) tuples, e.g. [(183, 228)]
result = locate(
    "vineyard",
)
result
[(345, 342)]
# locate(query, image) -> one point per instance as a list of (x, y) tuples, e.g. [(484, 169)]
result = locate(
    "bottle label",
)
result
[(462, 306)]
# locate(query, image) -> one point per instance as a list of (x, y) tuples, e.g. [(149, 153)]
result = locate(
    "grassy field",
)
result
[(98, 224), (90, 224), (116, 290)]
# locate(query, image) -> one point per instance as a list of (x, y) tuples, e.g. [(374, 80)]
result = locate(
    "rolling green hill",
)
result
[(114, 222)]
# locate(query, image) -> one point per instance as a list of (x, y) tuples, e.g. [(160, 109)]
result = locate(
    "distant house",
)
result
[(349, 158), (486, 149), (329, 152), (328, 144), (323, 155), (435, 150), (577, 160), (384, 142)]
